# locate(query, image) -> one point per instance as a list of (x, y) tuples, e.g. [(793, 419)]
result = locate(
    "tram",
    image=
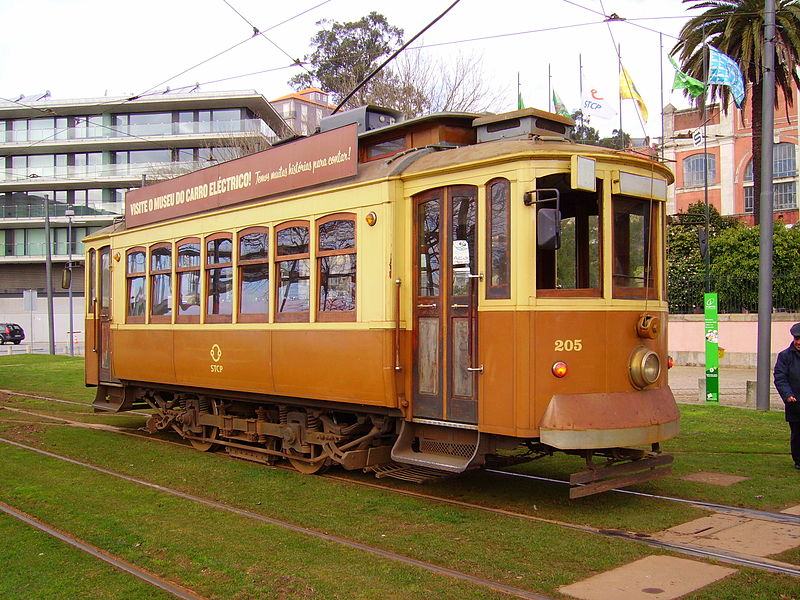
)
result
[(412, 298)]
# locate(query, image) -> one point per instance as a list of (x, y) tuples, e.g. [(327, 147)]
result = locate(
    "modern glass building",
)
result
[(81, 156)]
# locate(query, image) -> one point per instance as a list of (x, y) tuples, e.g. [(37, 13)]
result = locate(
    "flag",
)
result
[(723, 70), (628, 91), (559, 107), (685, 82), (595, 104), (520, 102)]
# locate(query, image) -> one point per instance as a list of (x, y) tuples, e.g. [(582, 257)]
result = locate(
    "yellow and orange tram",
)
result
[(409, 297)]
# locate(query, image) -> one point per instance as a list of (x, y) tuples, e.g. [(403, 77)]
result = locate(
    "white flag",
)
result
[(596, 104)]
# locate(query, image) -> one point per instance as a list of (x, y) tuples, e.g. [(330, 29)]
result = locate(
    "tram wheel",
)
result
[(209, 433), (316, 468)]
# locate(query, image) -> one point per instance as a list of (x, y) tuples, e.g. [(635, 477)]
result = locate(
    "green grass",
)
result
[(45, 375)]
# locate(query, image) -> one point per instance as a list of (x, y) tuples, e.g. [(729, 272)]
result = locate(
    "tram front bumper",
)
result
[(610, 420)]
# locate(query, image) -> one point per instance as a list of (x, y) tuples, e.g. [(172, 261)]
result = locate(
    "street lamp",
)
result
[(69, 212)]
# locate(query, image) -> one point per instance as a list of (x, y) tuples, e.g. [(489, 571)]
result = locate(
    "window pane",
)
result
[(161, 259), (219, 251), (136, 262), (189, 293), (499, 254), (429, 248), (292, 240), (293, 288), (136, 296), (631, 243), (255, 289), (784, 194), (253, 246), (220, 291), (694, 169), (337, 289), (337, 235), (783, 160), (162, 294), (463, 232), (189, 255)]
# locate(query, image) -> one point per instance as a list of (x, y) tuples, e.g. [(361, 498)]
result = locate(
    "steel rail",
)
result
[(154, 580), (439, 570)]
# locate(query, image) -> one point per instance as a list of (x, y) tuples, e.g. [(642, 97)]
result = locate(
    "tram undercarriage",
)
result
[(313, 438)]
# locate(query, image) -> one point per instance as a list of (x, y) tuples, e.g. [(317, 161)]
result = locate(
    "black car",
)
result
[(11, 332)]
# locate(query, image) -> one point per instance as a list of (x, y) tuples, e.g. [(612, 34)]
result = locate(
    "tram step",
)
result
[(619, 475), (406, 472), (419, 446)]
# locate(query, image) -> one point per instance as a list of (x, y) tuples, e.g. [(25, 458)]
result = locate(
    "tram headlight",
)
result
[(645, 367)]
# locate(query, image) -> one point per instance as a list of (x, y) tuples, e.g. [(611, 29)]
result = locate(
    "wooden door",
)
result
[(445, 314), (103, 315)]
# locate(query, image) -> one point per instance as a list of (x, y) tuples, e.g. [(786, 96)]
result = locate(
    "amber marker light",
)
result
[(371, 218), (670, 362), (559, 369)]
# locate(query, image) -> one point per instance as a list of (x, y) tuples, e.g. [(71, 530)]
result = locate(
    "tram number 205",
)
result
[(568, 346)]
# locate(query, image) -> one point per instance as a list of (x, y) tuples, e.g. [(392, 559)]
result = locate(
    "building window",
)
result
[(219, 278), (784, 164), (161, 283), (336, 259), (188, 271), (293, 268), (253, 274), (694, 169), (498, 230), (135, 263)]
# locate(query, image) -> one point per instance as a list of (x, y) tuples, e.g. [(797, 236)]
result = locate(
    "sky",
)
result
[(95, 48)]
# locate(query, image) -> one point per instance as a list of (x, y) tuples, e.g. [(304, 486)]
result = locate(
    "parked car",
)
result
[(11, 332)]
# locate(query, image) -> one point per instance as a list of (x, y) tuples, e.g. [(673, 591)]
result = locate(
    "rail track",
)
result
[(729, 557)]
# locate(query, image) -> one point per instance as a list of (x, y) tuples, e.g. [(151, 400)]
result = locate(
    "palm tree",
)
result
[(736, 28)]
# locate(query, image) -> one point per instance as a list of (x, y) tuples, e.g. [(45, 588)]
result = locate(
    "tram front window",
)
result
[(573, 269), (634, 258)]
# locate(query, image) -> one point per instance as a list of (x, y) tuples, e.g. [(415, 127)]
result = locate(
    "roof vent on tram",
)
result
[(367, 117), (523, 124)]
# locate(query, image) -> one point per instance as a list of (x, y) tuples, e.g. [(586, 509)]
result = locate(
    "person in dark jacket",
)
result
[(787, 382)]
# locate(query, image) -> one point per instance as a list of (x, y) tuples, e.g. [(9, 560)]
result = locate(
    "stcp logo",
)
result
[(216, 355)]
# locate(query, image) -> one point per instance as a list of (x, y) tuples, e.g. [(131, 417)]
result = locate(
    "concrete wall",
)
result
[(738, 335), (35, 322)]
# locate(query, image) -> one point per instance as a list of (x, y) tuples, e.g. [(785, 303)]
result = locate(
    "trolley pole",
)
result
[(765, 212)]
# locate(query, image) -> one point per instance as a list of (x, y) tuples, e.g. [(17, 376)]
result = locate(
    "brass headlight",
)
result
[(645, 367)]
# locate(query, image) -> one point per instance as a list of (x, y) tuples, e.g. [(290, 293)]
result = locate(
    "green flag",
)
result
[(520, 102), (559, 106), (685, 82)]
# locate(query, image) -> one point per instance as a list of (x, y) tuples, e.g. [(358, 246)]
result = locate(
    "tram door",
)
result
[(445, 314), (103, 316)]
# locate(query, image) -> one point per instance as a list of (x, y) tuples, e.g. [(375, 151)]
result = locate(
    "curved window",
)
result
[(253, 274), (135, 275), (219, 278), (694, 169), (336, 259), (293, 270), (161, 283), (187, 269), (498, 237)]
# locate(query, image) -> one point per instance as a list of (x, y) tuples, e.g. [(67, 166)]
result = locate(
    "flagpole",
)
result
[(549, 92), (619, 74)]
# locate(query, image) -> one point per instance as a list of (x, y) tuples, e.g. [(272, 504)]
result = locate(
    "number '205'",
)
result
[(568, 345)]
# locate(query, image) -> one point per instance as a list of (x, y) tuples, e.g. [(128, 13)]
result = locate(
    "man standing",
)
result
[(787, 382)]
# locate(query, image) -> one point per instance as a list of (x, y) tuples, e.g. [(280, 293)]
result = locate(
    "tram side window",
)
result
[(91, 305), (135, 275), (293, 268), (253, 274), (161, 283), (498, 226), (219, 278), (188, 271), (573, 269), (336, 258), (633, 248)]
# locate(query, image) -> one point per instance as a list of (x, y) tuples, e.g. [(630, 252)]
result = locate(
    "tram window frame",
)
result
[(91, 287), (140, 277), (324, 315), (649, 290), (289, 316), (501, 290), (180, 273), (157, 274), (242, 265), (210, 269)]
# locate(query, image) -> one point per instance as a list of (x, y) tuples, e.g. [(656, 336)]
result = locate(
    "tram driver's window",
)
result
[(573, 269), (633, 247), (135, 275)]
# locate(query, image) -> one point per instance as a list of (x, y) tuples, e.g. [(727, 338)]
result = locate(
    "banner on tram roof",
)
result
[(310, 161)]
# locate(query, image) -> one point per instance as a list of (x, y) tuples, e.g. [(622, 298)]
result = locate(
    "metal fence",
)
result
[(736, 295)]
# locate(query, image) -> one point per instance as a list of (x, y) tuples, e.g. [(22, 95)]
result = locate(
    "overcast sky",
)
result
[(91, 48)]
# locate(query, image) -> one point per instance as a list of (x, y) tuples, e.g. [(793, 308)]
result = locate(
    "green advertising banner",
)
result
[(712, 349)]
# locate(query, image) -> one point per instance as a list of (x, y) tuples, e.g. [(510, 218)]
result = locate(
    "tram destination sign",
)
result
[(310, 161)]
